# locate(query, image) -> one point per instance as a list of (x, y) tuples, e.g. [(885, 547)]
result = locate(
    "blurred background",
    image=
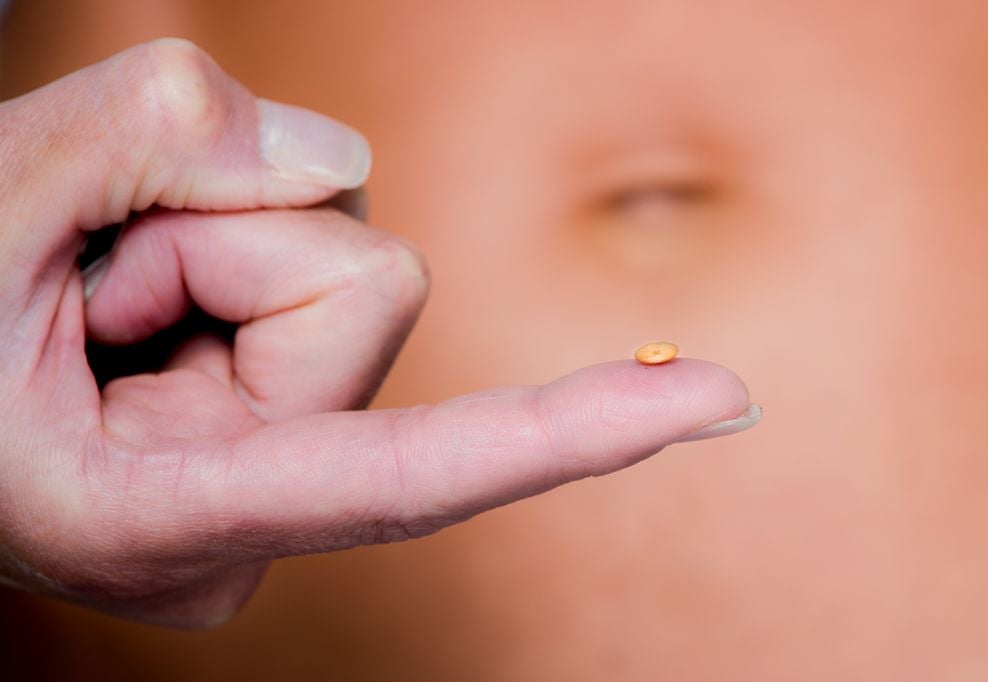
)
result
[(793, 190)]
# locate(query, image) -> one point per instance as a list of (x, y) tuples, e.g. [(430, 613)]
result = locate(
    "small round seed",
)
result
[(656, 353)]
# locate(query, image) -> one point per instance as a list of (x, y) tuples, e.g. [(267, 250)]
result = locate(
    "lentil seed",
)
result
[(656, 353)]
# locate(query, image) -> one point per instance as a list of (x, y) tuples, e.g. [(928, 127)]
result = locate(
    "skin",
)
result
[(161, 495), (807, 177)]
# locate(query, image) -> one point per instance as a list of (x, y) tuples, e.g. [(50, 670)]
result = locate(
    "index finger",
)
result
[(337, 480)]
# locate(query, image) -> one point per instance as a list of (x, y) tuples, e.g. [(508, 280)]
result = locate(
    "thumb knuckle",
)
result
[(183, 92)]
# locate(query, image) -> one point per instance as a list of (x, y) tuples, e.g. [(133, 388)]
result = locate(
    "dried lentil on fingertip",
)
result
[(656, 353)]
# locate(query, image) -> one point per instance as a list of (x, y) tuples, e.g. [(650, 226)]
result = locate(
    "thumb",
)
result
[(162, 124)]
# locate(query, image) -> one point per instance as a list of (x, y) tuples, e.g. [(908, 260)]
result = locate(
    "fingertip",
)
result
[(614, 414), (687, 380)]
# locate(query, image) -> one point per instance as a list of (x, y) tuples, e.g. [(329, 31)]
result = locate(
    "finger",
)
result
[(207, 354), (324, 302), (158, 124), (332, 481)]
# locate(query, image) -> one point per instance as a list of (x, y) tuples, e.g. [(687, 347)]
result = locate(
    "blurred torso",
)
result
[(794, 192)]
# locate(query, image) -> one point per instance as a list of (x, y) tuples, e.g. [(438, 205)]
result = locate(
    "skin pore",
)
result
[(792, 190)]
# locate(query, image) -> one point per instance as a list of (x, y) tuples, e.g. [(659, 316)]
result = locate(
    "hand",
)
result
[(163, 496)]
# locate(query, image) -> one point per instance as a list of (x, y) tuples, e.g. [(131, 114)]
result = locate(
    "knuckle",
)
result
[(93, 560), (409, 263), (79, 536), (84, 547), (375, 261), (397, 270), (45, 529), (404, 514), (181, 89)]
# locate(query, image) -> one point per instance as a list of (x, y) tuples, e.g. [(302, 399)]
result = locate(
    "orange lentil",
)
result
[(656, 353)]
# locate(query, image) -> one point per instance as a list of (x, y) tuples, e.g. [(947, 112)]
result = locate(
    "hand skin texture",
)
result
[(163, 496)]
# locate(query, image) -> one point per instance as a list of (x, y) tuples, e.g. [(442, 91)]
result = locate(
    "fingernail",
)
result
[(308, 147), (751, 417), (93, 274)]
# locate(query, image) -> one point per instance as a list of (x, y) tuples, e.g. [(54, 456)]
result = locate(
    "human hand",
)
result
[(163, 496)]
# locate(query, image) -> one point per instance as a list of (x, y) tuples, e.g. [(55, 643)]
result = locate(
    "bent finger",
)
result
[(157, 124), (323, 302)]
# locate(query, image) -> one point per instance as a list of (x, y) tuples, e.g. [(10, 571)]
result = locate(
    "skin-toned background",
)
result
[(795, 191)]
